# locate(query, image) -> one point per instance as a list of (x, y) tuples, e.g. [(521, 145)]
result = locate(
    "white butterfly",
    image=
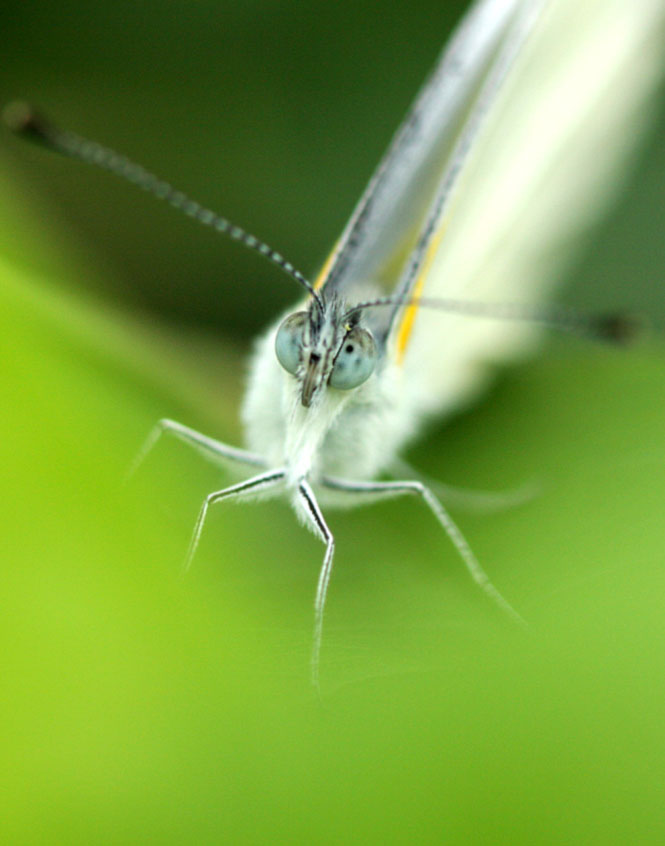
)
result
[(509, 148)]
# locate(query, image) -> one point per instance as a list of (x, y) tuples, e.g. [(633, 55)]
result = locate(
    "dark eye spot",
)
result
[(348, 348)]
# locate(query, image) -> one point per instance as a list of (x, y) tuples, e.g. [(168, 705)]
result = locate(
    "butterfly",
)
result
[(505, 152)]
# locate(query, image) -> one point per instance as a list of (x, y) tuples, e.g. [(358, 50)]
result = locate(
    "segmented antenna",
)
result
[(615, 327), (22, 119)]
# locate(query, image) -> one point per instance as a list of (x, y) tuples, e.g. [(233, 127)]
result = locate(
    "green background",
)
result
[(139, 708)]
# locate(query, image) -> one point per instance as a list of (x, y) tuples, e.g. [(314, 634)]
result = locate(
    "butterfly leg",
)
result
[(255, 485), (318, 523), (471, 500), (210, 447), (389, 489)]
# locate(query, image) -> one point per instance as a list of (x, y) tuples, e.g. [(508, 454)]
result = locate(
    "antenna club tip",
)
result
[(619, 328), (23, 119), (18, 115)]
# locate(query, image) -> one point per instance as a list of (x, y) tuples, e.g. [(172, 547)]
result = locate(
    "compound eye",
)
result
[(288, 341), (355, 360)]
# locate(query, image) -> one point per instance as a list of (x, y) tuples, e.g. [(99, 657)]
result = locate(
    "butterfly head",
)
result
[(325, 347)]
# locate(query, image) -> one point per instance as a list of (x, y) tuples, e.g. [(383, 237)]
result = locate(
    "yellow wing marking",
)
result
[(325, 270), (409, 317)]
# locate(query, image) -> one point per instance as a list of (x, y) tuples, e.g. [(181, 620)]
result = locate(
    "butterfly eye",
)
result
[(355, 360), (288, 341)]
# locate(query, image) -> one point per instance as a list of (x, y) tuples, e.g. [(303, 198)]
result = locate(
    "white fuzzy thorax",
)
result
[(349, 434)]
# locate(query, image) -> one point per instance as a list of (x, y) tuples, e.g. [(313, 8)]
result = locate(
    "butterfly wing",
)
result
[(509, 151), (542, 168), (390, 216)]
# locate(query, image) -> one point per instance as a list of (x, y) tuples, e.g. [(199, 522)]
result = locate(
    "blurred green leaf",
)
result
[(142, 708)]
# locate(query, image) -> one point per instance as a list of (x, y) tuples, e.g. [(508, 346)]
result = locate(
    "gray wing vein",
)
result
[(421, 166)]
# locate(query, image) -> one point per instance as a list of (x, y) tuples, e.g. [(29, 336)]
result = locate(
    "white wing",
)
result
[(389, 218), (543, 166)]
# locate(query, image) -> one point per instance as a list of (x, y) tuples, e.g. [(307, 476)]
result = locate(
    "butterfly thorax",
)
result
[(300, 422)]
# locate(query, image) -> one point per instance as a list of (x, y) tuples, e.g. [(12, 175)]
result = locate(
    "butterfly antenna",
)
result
[(22, 119), (619, 328)]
